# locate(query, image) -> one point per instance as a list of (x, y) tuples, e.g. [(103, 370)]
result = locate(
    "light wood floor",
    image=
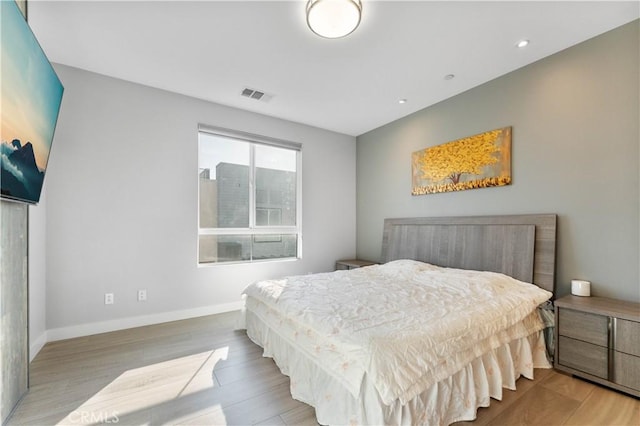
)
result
[(201, 372)]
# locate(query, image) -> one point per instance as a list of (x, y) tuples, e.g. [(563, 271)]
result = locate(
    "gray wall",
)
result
[(575, 153), (37, 274), (122, 190)]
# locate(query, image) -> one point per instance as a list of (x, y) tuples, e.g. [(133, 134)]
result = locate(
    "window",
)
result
[(249, 197)]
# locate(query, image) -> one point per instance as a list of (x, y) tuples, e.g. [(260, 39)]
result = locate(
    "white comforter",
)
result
[(406, 324)]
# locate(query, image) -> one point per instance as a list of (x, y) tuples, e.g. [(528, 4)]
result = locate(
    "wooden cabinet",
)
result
[(599, 339), (352, 264)]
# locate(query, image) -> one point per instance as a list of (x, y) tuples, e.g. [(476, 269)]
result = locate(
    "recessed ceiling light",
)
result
[(449, 76), (522, 43), (402, 101)]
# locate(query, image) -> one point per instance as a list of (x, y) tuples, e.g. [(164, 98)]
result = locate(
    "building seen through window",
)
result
[(248, 201)]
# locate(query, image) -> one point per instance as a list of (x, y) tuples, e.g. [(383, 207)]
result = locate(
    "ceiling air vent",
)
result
[(255, 94)]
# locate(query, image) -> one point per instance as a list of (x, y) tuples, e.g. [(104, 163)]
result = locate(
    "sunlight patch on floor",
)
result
[(150, 386)]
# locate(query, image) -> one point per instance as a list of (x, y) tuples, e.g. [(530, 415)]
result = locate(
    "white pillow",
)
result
[(408, 265)]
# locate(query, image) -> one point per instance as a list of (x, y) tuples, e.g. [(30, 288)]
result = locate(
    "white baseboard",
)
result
[(36, 345), (139, 321)]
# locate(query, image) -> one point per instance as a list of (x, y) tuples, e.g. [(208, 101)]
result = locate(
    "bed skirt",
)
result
[(456, 398)]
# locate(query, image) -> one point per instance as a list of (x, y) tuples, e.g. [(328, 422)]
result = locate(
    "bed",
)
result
[(445, 322)]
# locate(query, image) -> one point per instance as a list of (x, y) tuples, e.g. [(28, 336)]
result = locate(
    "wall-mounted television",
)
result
[(31, 94)]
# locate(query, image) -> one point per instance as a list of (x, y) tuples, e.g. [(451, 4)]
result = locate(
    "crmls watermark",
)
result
[(94, 417)]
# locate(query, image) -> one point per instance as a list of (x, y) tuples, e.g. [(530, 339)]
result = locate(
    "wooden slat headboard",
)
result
[(522, 246)]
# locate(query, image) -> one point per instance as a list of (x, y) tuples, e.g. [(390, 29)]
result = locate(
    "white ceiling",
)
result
[(213, 49)]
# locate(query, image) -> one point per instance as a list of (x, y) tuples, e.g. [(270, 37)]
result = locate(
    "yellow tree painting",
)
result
[(478, 161)]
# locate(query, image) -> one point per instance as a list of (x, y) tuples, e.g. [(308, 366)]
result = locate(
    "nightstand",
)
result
[(599, 339), (352, 264)]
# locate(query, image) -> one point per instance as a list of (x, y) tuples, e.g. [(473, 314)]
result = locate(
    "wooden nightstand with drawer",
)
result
[(352, 264), (599, 339)]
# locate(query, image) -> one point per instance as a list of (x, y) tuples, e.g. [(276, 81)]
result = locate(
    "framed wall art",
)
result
[(478, 161), (31, 96)]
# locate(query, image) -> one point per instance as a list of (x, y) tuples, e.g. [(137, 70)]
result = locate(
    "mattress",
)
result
[(400, 343)]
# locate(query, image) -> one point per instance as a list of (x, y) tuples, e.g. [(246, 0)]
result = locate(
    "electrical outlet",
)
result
[(108, 298), (142, 295)]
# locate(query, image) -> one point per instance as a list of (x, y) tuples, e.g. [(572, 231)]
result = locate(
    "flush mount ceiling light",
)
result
[(522, 43), (333, 18)]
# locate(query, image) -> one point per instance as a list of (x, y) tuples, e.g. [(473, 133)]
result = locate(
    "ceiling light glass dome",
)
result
[(333, 18)]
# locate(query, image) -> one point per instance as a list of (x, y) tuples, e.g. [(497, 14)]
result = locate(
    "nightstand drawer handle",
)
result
[(612, 326)]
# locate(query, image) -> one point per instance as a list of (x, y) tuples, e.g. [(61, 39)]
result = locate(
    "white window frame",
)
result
[(254, 229)]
